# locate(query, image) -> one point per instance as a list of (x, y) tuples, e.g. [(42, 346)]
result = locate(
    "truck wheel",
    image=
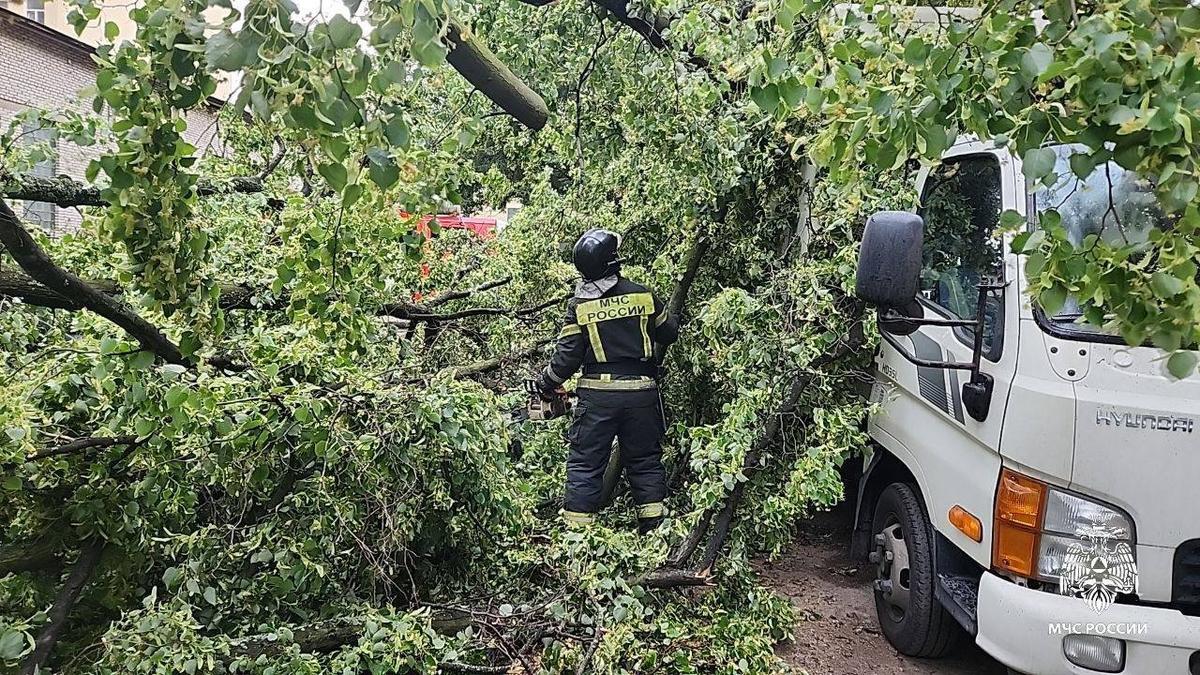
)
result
[(910, 616)]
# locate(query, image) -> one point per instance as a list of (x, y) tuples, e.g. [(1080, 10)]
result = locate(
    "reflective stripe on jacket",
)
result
[(620, 327)]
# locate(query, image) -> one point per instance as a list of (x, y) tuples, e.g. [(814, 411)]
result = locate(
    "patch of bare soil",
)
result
[(837, 632)]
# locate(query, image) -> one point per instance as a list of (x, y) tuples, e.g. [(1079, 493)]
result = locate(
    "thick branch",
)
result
[(60, 611), (17, 285), (31, 556), (84, 444), (475, 62), (63, 191), (443, 298), (327, 636), (406, 312), (480, 367), (30, 256)]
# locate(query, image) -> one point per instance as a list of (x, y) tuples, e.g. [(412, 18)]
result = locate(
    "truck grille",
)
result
[(1186, 589)]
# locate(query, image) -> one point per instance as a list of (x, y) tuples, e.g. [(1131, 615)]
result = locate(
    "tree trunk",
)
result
[(475, 62)]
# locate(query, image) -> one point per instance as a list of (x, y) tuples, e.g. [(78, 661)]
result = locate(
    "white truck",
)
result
[(1033, 481)]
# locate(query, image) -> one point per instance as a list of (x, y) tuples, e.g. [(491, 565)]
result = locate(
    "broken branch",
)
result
[(475, 62), (59, 612), (64, 192), (38, 265)]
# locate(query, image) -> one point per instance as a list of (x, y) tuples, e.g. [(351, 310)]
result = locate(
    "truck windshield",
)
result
[(1114, 204)]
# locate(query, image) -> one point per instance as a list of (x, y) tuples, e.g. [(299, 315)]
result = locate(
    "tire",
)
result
[(911, 618)]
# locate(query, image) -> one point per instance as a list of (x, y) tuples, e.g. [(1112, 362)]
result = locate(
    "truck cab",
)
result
[(1032, 480)]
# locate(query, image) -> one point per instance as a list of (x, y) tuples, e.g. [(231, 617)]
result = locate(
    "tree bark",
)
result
[(28, 290), (328, 635), (40, 555), (242, 296), (60, 611), (651, 30), (480, 367), (475, 62), (63, 191), (30, 256), (84, 444)]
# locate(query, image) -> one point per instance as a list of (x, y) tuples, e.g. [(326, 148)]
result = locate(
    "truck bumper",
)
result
[(1024, 629)]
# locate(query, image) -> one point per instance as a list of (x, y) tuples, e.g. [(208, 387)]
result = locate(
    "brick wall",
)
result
[(40, 68)]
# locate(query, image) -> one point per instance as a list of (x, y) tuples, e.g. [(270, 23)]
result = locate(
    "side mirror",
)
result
[(889, 260)]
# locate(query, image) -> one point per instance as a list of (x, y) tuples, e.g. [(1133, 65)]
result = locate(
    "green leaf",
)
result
[(210, 594), (171, 577), (1166, 285), (224, 52), (1181, 364), (397, 132), (111, 31), (11, 483), (15, 433), (335, 175), (343, 33), (915, 52), (1038, 163), (1052, 299), (12, 645), (766, 98), (142, 360), (1037, 60), (384, 174)]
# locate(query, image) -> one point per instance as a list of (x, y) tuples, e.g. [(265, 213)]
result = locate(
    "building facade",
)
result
[(43, 67)]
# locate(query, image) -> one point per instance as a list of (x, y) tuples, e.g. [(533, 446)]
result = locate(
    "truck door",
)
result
[(955, 457)]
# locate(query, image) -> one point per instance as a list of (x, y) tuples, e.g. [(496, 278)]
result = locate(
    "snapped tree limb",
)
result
[(38, 265), (246, 297), (79, 445), (64, 191), (60, 611), (39, 555), (475, 62)]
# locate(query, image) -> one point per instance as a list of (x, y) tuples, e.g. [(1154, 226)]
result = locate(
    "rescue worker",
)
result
[(611, 329)]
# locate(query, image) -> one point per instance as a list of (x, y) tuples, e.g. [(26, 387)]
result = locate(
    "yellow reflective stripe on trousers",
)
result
[(661, 318), (652, 510), (569, 330), (593, 382), (597, 346), (577, 518)]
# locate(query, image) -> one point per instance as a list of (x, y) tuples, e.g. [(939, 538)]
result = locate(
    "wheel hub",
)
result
[(893, 575)]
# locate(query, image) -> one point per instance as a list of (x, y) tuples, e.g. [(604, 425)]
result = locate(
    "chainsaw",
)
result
[(539, 409)]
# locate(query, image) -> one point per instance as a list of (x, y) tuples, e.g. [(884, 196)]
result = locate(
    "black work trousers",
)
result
[(636, 419)]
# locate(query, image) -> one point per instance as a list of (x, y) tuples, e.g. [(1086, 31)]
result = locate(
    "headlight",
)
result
[(1037, 527)]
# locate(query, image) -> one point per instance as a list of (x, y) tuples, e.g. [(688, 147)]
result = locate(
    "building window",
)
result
[(41, 213), (36, 10)]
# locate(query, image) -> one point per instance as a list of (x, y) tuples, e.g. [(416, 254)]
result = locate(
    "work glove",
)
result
[(547, 389)]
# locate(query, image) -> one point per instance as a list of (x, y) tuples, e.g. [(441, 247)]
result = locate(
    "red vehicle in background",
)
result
[(484, 228)]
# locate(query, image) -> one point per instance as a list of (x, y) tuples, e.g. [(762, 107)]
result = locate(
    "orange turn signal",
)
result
[(966, 523), (1020, 501)]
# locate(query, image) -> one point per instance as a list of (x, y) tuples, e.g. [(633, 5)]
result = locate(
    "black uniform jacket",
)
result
[(612, 338)]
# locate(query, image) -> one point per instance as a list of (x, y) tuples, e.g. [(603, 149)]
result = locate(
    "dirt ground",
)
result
[(837, 633)]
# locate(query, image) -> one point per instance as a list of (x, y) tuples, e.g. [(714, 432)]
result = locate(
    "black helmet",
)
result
[(595, 254)]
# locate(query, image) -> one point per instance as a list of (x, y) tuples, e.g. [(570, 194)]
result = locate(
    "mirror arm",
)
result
[(977, 393), (924, 363)]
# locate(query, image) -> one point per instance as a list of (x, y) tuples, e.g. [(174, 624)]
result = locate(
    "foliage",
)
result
[(348, 477)]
